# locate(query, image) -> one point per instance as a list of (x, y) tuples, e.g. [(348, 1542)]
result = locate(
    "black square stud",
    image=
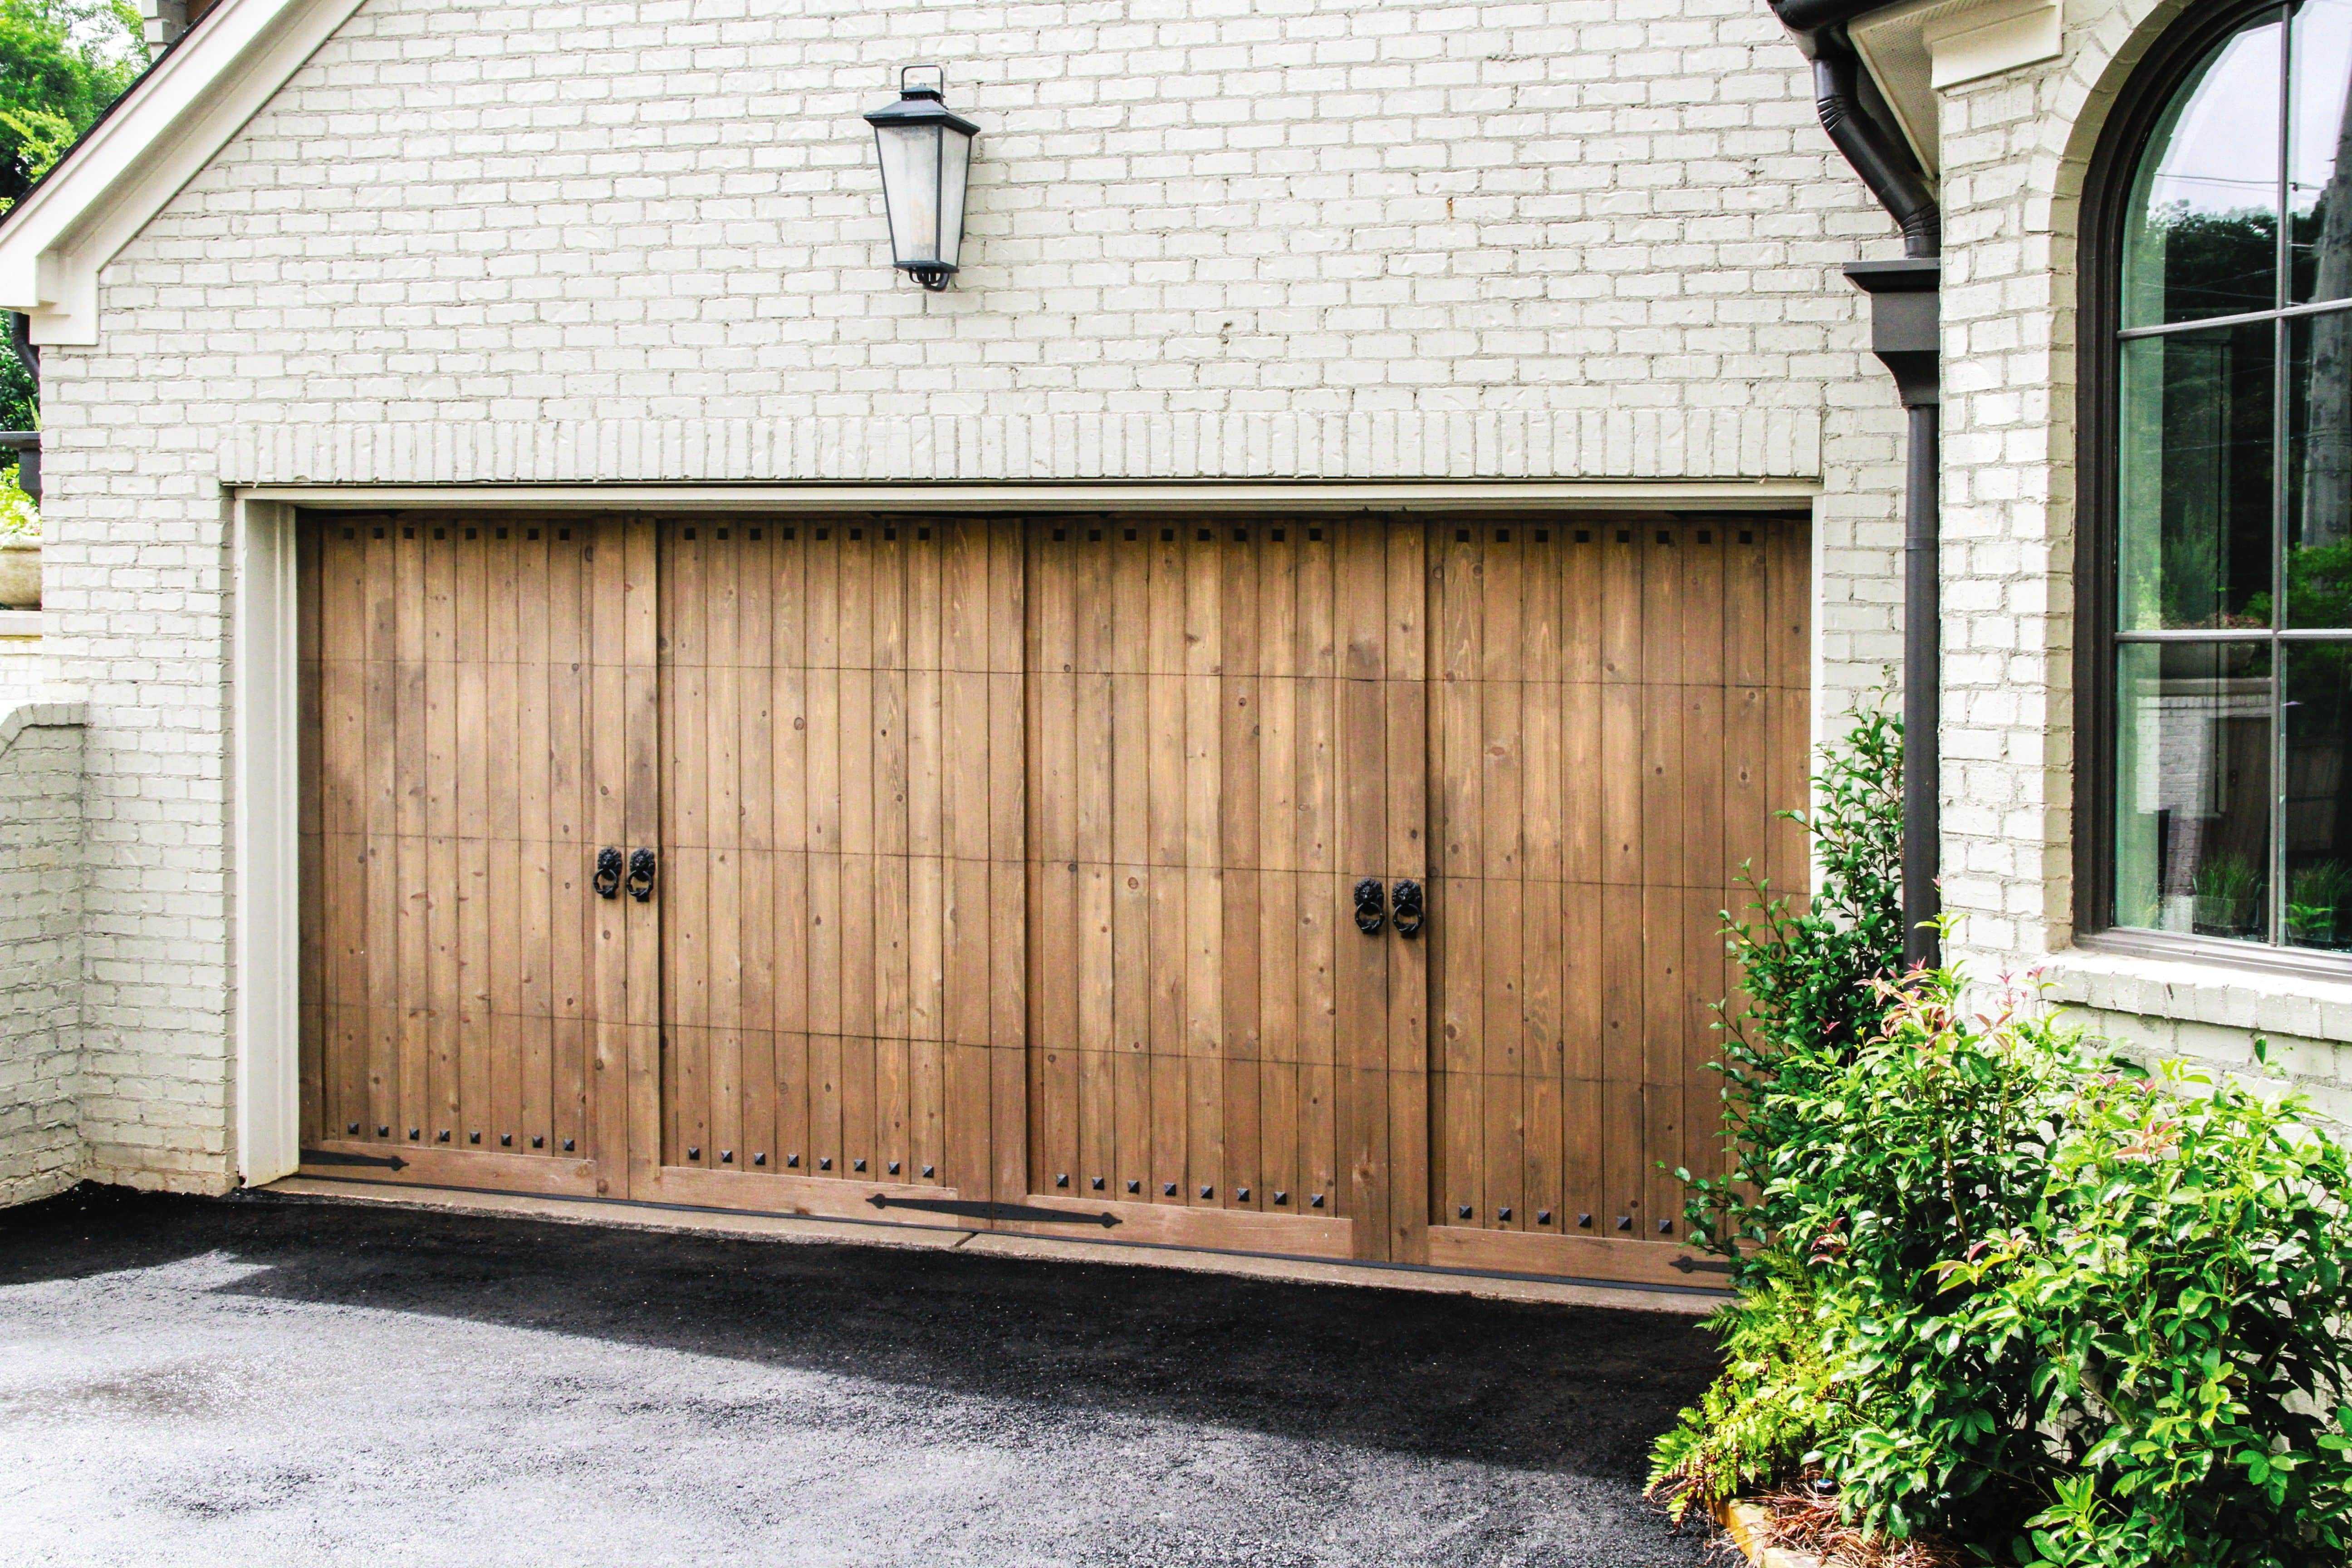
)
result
[(1135, 1186), (726, 1156), (1241, 1195), (473, 1137), (1099, 1184), (1543, 1217), (538, 1140), (1624, 1222), (929, 1172), (568, 1145), (1063, 1180), (824, 1163), (857, 1165), (415, 1133), (1280, 1196), (444, 1136), (353, 1129), (505, 1140), (1666, 1227), (792, 1162), (1461, 1211), (1208, 1192), (1503, 1213), (694, 1151), (1584, 1222), (383, 1131), (758, 1157), (1315, 1202), (894, 1167), (1169, 1191)]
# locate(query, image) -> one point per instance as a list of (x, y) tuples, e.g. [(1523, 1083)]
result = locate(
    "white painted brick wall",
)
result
[(40, 948), (651, 213)]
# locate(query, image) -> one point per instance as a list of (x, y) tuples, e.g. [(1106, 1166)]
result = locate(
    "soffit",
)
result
[(1915, 51)]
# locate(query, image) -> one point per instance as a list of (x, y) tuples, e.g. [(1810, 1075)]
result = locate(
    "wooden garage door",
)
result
[(1005, 869), (479, 722), (1226, 735), (1620, 714)]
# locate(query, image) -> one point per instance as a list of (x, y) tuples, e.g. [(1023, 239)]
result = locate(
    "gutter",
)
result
[(1906, 334)]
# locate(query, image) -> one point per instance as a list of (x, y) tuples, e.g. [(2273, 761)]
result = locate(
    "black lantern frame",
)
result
[(926, 154)]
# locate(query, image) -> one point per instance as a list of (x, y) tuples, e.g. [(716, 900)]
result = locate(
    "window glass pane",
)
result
[(2192, 787), (2319, 155), (2201, 236), (2193, 524), (2319, 472), (2318, 717)]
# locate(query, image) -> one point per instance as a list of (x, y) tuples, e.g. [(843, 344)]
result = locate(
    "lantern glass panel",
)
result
[(955, 168), (911, 189)]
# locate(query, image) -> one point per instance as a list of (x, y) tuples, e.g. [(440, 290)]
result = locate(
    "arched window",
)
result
[(2217, 613)]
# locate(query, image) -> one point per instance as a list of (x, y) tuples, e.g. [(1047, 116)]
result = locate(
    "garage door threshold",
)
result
[(1684, 1299)]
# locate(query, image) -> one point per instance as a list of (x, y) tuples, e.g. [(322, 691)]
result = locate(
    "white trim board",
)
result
[(174, 121), (269, 846), (1766, 495)]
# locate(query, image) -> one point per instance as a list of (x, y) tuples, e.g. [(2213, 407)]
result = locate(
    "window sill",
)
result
[(2270, 993), (20, 623)]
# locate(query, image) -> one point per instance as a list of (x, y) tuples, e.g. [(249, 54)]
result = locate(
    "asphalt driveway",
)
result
[(263, 1381)]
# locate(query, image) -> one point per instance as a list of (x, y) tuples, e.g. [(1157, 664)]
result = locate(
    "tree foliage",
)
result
[(62, 64)]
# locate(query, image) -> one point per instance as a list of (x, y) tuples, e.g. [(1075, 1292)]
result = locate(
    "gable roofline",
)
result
[(174, 121)]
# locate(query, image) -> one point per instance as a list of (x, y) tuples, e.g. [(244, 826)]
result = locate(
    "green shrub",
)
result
[(2088, 1319), (1777, 1399), (2000, 1288), (1809, 972), (1933, 1138), (2181, 1294)]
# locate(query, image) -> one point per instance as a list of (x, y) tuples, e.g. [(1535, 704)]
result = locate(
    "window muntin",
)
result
[(2232, 659)]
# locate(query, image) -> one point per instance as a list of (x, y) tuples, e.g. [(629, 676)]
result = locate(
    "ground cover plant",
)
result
[(2006, 1298)]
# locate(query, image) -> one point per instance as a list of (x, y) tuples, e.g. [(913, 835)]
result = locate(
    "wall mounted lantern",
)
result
[(926, 158)]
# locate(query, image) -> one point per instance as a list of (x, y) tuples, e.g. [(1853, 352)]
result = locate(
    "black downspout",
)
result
[(1906, 334)]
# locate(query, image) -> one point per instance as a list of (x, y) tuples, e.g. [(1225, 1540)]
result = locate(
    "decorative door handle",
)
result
[(1370, 902), (1410, 909), (608, 873), (641, 874)]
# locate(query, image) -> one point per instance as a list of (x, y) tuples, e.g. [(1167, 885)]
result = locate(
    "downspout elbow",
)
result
[(1885, 166)]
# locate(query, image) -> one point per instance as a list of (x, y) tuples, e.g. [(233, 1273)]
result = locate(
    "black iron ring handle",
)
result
[(608, 873), (641, 874), (1371, 906), (1410, 908)]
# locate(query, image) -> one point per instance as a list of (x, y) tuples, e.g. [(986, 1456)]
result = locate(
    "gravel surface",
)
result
[(265, 1380)]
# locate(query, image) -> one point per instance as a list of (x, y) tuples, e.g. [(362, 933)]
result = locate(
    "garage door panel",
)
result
[(830, 805), (1600, 771), (448, 959), (1186, 717)]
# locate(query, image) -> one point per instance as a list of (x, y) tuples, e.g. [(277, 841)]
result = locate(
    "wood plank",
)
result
[(1240, 861), (1361, 609)]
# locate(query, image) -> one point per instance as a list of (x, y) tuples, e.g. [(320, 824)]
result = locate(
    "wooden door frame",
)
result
[(266, 694)]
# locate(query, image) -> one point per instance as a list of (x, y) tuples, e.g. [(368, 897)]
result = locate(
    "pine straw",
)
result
[(1805, 1519)]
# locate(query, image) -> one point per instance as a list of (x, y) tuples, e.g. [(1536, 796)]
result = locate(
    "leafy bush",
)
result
[(1934, 1137), (1810, 974), (2001, 1289), (2181, 1294), (1776, 1398)]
